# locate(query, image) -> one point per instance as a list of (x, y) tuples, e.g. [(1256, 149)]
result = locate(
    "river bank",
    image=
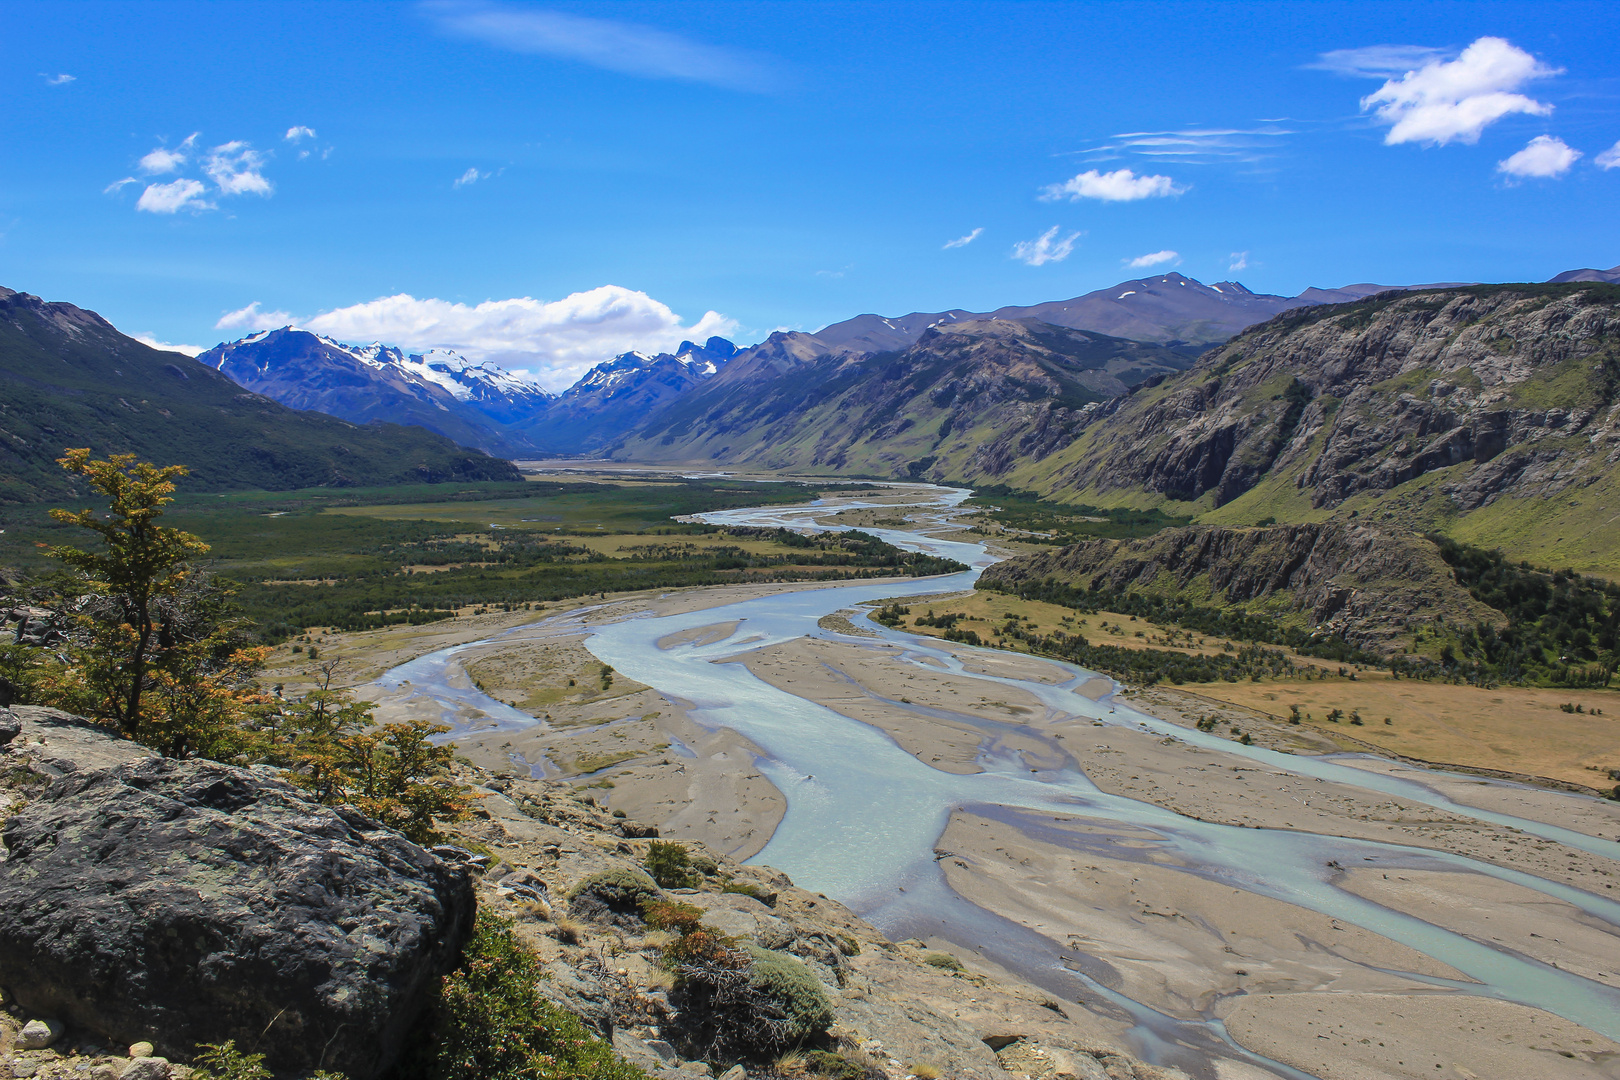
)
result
[(1187, 873)]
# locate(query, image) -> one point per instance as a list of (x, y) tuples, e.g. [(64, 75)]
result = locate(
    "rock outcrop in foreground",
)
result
[(180, 902), (157, 904)]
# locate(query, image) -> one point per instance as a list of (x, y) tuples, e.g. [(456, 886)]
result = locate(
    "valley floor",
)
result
[(1322, 994)]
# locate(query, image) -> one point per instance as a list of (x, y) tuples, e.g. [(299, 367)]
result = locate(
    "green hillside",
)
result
[(69, 379)]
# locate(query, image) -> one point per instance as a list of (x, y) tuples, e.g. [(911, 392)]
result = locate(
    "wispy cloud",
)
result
[(1155, 258), (550, 342), (1238, 260), (1193, 146), (1446, 101), (236, 169), (297, 133), (1545, 156), (254, 319), (171, 198), (963, 241), (1121, 185), (1609, 159), (1376, 61), (1045, 248), (58, 80), (468, 178), (625, 47)]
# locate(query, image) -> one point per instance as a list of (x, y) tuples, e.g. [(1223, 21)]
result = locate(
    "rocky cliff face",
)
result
[(1511, 388), (1356, 580)]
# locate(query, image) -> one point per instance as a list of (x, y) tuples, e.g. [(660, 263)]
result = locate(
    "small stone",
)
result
[(23, 1069), (38, 1034), (663, 1050), (140, 1050), (736, 1072), (106, 1071), (147, 1068)]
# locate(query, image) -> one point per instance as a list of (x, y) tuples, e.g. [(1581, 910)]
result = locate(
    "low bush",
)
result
[(489, 1022), (943, 961), (742, 1002), (618, 896), (669, 865)]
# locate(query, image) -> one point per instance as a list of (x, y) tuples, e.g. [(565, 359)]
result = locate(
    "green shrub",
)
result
[(669, 865), (223, 1061), (944, 961), (491, 1023), (783, 978), (617, 895), (744, 1002)]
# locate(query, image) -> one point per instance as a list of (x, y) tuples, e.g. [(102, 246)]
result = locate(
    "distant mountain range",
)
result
[(614, 398), (477, 404), (439, 390), (482, 405), (69, 379)]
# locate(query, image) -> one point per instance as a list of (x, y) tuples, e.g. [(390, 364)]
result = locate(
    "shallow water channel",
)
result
[(863, 815)]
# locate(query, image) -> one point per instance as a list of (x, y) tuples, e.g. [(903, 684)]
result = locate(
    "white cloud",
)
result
[(1609, 159), (1454, 100), (1155, 258), (1376, 61), (163, 160), (235, 168), (176, 195), (627, 48), (57, 80), (1045, 248), (471, 176), (188, 350), (1239, 260), (299, 132), (963, 241), (251, 318), (118, 185), (1544, 156), (1121, 185), (550, 342)]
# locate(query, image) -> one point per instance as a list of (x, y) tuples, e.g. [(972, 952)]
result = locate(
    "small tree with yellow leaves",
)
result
[(155, 649)]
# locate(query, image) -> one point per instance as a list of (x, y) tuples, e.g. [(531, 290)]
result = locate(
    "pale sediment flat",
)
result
[(930, 714), (1362, 1036)]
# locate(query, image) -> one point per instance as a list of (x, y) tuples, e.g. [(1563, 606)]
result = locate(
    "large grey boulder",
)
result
[(187, 901)]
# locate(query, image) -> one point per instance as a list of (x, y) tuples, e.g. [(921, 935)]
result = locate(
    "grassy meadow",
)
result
[(358, 559)]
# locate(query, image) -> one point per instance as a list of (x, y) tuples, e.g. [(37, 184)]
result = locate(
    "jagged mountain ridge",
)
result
[(68, 378), (439, 390), (615, 396), (778, 406)]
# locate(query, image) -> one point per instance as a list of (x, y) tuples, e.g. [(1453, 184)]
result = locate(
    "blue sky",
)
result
[(603, 176)]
